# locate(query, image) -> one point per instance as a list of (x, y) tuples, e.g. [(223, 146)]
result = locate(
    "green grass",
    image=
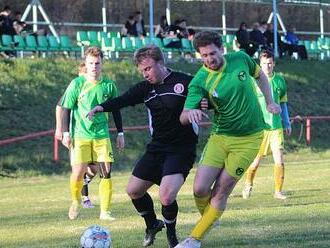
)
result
[(34, 212)]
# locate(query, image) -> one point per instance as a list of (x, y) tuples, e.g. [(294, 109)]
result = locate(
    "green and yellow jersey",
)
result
[(231, 92), (81, 96), (279, 93)]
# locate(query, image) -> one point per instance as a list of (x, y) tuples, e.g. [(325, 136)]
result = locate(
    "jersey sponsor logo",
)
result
[(215, 94), (239, 171), (178, 88), (242, 76)]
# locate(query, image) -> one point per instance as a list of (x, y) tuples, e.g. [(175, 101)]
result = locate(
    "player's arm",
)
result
[(133, 96), (263, 84), (120, 141), (58, 122), (66, 140)]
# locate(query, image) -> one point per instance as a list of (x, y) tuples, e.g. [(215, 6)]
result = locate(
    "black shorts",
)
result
[(162, 160)]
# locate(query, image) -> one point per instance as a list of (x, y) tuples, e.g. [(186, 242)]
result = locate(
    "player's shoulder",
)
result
[(236, 55), (107, 80), (77, 82)]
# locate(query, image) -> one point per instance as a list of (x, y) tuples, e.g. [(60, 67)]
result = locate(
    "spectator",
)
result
[(256, 37), (162, 28), (243, 40), (263, 27), (129, 28), (18, 25), (6, 22), (139, 24), (179, 29), (293, 41), (269, 35)]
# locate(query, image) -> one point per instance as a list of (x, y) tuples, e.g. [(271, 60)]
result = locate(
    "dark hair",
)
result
[(206, 38), (151, 51), (266, 54)]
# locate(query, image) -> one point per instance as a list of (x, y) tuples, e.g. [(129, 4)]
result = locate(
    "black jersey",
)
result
[(165, 103)]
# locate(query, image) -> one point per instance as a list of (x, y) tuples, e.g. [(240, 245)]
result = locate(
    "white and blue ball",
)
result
[(95, 237)]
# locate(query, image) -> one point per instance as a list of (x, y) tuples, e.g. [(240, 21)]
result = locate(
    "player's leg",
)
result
[(146, 172), (277, 150), (175, 169), (80, 157), (89, 175), (102, 153), (251, 172)]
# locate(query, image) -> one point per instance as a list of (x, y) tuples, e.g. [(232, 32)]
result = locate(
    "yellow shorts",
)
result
[(85, 151), (234, 154), (273, 139)]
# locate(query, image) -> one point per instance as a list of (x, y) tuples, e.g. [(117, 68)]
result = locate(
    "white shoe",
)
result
[(106, 216), (73, 211), (189, 243), (246, 193), (279, 195)]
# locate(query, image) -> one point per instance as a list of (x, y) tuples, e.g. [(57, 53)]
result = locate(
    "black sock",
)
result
[(84, 190), (170, 212), (145, 208)]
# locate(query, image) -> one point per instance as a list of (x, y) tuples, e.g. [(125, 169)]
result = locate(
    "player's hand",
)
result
[(58, 134), (95, 110), (120, 142), (66, 140), (288, 131), (274, 108), (204, 104), (194, 115)]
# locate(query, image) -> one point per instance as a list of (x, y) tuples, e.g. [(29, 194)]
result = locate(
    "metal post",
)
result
[(224, 28), (168, 12), (35, 17), (151, 18), (104, 16), (308, 131), (321, 22), (275, 29)]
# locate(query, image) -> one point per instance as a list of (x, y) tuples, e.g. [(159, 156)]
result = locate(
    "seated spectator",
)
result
[(18, 25), (293, 41), (243, 40), (191, 33), (129, 29), (162, 28), (139, 24), (269, 36), (263, 27), (256, 37)]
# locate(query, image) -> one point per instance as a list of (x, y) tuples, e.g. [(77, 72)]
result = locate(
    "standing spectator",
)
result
[(273, 137), (139, 24), (129, 28), (293, 40), (243, 40), (269, 35), (6, 22), (263, 27)]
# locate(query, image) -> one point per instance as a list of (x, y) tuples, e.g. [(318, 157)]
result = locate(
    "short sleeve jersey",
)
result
[(81, 96), (231, 91), (279, 93)]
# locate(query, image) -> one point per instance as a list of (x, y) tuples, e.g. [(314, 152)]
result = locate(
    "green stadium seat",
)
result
[(137, 42), (146, 41), (67, 45), (42, 42), (7, 43), (186, 45), (54, 45), (82, 38), (93, 38), (101, 35), (114, 34), (106, 46), (31, 43), (127, 44)]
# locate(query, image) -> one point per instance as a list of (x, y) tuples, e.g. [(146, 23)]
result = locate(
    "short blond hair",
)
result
[(94, 51)]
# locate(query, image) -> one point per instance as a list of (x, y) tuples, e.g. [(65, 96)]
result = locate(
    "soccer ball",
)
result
[(95, 237)]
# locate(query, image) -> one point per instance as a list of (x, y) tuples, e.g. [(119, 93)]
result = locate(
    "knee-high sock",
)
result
[(278, 177), (75, 188), (250, 174), (105, 192), (84, 191), (170, 212), (210, 215), (145, 208), (202, 202)]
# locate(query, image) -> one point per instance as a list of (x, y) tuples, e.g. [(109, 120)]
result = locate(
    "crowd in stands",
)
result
[(262, 37)]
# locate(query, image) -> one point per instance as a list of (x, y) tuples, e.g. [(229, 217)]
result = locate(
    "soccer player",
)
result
[(226, 80), (88, 140), (171, 153), (92, 168), (273, 136)]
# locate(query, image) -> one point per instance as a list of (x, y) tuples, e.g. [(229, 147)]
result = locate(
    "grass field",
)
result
[(34, 212)]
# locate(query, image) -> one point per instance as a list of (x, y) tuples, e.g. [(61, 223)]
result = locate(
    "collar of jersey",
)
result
[(223, 67), (98, 81), (165, 78)]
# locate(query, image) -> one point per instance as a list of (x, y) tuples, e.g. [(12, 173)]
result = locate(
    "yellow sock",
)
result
[(105, 192), (211, 214), (278, 176), (201, 203), (250, 174), (75, 188)]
